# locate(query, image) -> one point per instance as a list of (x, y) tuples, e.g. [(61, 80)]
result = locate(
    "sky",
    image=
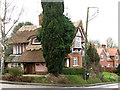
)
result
[(104, 25)]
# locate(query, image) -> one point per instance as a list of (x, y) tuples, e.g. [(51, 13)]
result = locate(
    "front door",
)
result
[(31, 68)]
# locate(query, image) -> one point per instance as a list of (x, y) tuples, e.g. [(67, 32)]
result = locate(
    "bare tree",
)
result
[(96, 43), (7, 19), (110, 43)]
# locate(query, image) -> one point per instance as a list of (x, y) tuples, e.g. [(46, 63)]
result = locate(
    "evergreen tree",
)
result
[(56, 36), (93, 55)]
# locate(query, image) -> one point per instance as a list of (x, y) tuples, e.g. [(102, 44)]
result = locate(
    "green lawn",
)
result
[(70, 79), (112, 77), (78, 79)]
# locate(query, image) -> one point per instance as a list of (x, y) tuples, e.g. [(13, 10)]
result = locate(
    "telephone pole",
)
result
[(86, 44), (93, 16)]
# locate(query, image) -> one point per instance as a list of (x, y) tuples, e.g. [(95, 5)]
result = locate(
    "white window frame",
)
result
[(77, 42), (33, 41), (117, 57), (75, 61), (102, 56), (108, 57), (116, 65), (108, 65)]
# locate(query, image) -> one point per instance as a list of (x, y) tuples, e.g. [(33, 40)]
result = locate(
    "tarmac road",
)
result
[(4, 86)]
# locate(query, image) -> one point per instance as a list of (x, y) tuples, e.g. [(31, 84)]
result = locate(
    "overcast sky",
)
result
[(100, 28)]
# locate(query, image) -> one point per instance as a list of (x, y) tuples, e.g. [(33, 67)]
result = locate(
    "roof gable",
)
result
[(107, 51)]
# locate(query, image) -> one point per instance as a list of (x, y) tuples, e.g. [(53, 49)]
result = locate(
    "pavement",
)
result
[(59, 85)]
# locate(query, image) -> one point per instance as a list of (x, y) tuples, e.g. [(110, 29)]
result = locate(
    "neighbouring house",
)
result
[(27, 50), (109, 58), (74, 59)]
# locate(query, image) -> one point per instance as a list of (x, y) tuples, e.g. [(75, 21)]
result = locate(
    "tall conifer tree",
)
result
[(57, 35)]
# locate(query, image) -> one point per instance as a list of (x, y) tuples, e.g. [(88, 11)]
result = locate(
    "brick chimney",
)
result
[(40, 18), (103, 46)]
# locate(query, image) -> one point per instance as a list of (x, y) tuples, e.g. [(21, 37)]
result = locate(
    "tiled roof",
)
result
[(23, 34), (110, 51), (28, 28), (33, 47), (32, 56), (12, 58)]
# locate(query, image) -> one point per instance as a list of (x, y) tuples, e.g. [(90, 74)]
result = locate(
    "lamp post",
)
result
[(93, 16)]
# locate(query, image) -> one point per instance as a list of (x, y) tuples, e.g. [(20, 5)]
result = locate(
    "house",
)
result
[(74, 59), (27, 50), (109, 58)]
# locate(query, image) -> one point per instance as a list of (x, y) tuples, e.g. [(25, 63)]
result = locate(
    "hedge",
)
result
[(73, 71)]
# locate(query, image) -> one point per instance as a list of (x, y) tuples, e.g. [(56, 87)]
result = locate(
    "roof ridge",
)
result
[(28, 28)]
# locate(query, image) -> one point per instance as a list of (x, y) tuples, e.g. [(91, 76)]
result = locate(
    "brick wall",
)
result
[(79, 60)]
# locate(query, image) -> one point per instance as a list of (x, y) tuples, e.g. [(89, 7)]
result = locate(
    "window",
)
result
[(15, 65), (18, 48), (21, 48), (108, 57), (35, 41), (102, 57), (75, 61), (117, 57), (116, 64), (77, 42), (108, 65), (11, 64), (19, 65)]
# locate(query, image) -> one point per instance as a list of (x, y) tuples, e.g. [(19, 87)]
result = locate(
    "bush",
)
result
[(16, 71), (25, 79), (73, 71), (9, 78), (92, 80)]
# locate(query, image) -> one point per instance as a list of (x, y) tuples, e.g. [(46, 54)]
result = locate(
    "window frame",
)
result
[(75, 61), (117, 57), (116, 65), (108, 65), (35, 43), (108, 57), (101, 57)]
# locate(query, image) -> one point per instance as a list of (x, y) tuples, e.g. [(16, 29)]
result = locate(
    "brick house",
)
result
[(74, 59), (109, 58), (27, 50)]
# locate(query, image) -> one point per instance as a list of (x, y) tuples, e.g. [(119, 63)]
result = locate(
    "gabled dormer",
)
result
[(79, 38)]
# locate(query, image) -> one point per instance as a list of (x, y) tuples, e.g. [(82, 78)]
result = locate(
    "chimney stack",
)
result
[(40, 18), (103, 46)]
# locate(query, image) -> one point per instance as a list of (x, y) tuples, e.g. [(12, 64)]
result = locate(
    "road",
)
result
[(115, 86)]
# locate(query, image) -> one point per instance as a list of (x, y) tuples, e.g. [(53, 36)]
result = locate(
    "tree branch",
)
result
[(15, 21)]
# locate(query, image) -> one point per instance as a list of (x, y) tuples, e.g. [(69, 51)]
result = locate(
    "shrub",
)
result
[(73, 71), (92, 80), (25, 79), (16, 71)]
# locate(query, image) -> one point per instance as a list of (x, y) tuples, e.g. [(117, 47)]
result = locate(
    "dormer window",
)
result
[(35, 41), (108, 57), (117, 57)]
